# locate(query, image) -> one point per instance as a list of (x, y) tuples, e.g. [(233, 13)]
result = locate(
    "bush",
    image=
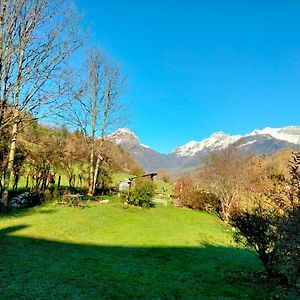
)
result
[(275, 238), (289, 246), (184, 191), (189, 196), (257, 229), (104, 181), (141, 194)]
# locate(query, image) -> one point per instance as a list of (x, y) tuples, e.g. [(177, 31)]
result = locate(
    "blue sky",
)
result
[(196, 67)]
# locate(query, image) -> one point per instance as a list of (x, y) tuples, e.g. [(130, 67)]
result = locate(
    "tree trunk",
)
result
[(10, 164), (27, 182), (91, 181), (12, 150), (94, 124), (96, 173), (58, 183)]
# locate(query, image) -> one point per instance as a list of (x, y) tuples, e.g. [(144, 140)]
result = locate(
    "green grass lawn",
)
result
[(108, 252), (163, 185)]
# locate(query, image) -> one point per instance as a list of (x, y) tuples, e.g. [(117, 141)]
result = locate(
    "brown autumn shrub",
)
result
[(190, 196)]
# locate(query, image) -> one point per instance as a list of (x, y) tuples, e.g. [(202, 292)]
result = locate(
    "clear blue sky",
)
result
[(196, 67)]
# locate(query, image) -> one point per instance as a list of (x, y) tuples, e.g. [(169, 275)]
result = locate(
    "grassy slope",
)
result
[(161, 184), (107, 252)]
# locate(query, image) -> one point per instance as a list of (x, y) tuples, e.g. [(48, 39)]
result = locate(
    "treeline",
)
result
[(43, 76), (260, 198), (46, 153)]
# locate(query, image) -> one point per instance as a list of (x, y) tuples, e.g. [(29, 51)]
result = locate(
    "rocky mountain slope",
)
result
[(193, 154), (148, 158)]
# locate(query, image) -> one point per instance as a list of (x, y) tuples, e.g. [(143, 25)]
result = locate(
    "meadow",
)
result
[(107, 251)]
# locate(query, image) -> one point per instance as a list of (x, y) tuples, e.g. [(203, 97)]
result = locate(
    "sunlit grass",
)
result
[(107, 251)]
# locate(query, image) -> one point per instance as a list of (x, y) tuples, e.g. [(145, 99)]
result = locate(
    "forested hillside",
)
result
[(45, 152)]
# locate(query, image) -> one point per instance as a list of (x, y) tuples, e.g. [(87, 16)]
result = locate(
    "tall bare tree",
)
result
[(36, 38), (224, 176), (96, 107)]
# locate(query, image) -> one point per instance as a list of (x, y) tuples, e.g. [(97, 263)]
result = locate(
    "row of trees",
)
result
[(44, 153), (38, 40)]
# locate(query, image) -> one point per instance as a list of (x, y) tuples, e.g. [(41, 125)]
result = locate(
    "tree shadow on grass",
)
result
[(42, 269), (21, 212)]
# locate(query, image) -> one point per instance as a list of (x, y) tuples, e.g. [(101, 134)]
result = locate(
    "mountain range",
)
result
[(194, 153)]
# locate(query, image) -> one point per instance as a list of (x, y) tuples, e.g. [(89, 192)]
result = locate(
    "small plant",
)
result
[(140, 194)]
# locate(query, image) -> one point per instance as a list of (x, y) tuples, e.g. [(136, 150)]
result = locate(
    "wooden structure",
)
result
[(149, 176)]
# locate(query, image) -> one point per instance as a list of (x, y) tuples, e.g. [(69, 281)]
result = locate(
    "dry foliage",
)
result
[(190, 196)]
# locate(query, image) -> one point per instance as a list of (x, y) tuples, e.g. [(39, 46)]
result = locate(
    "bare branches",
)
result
[(95, 105), (37, 38)]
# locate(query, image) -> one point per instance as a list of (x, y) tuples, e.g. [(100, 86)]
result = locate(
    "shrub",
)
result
[(257, 229), (104, 181), (275, 238), (209, 200), (189, 196), (141, 194), (289, 246), (184, 191)]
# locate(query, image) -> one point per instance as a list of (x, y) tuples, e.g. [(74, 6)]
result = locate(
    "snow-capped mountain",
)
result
[(124, 136), (220, 140), (289, 134), (192, 154), (261, 144), (216, 141), (148, 158)]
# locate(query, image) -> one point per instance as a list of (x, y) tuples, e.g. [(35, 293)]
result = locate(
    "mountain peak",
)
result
[(217, 141), (219, 135), (124, 131), (124, 136)]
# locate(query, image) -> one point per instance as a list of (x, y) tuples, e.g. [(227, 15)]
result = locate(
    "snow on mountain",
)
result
[(216, 141), (148, 158), (246, 144), (145, 146), (265, 141), (290, 134), (124, 136), (220, 140)]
